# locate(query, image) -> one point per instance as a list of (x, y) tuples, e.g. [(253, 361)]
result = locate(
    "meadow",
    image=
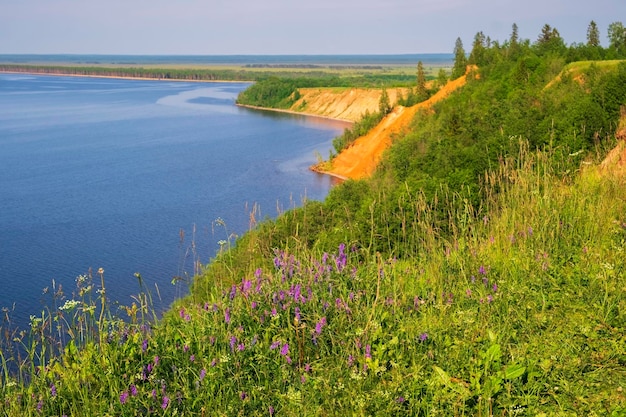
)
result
[(517, 313)]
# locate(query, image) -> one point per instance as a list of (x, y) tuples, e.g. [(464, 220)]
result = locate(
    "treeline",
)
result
[(133, 72)]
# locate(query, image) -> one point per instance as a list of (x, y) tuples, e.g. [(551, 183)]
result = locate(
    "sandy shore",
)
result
[(350, 122)]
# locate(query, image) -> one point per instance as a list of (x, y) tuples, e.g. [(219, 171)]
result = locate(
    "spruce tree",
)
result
[(420, 89), (593, 34), (460, 61)]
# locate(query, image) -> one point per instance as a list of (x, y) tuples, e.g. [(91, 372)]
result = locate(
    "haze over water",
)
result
[(106, 173)]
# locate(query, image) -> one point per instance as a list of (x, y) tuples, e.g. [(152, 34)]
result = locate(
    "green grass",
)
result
[(518, 313)]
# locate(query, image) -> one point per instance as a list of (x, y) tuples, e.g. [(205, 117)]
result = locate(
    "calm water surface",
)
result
[(106, 173)]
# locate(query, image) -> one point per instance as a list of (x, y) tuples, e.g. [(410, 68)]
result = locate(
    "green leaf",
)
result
[(443, 375), (514, 371)]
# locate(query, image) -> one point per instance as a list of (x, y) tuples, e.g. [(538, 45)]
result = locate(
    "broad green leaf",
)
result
[(514, 371)]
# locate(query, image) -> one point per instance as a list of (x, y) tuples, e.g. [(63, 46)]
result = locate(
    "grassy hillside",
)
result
[(481, 271)]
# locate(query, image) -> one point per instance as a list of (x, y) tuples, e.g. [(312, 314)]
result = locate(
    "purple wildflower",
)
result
[(341, 260), (213, 363), (285, 349), (482, 271), (271, 410), (350, 360), (320, 325), (53, 390), (39, 405), (246, 285), (241, 347), (233, 342), (297, 315), (123, 397), (243, 395), (274, 345), (156, 360), (192, 358), (233, 291), (185, 348), (423, 337), (133, 390), (495, 287), (182, 313), (144, 345), (400, 400), (253, 305), (227, 315), (368, 352), (165, 402), (489, 298), (202, 373), (307, 367)]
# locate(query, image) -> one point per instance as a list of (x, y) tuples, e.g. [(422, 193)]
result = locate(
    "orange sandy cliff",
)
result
[(360, 159), (342, 103)]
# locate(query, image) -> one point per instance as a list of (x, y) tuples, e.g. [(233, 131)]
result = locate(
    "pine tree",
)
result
[(460, 61), (514, 35), (593, 34), (546, 35), (478, 49), (420, 89)]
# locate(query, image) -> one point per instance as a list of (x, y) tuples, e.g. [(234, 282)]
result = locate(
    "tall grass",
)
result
[(519, 312)]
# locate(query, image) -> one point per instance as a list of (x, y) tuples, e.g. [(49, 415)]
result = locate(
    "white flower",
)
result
[(69, 305)]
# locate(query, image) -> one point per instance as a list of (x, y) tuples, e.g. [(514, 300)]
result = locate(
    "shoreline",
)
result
[(120, 77), (248, 106)]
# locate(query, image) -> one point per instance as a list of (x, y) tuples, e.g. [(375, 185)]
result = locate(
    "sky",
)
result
[(290, 27)]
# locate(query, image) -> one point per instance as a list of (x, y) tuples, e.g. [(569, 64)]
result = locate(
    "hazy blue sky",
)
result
[(212, 27)]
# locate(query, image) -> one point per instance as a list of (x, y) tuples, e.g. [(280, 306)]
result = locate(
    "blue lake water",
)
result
[(106, 173)]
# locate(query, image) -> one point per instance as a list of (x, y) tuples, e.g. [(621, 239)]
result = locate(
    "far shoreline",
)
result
[(120, 77)]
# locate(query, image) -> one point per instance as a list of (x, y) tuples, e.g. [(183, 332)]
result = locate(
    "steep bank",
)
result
[(360, 159), (342, 103)]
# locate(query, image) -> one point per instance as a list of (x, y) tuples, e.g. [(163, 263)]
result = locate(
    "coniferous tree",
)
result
[(478, 49), (514, 35), (514, 47), (593, 34), (460, 61), (420, 89), (547, 34), (550, 40)]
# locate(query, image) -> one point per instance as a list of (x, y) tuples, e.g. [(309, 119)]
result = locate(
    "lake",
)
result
[(110, 173)]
